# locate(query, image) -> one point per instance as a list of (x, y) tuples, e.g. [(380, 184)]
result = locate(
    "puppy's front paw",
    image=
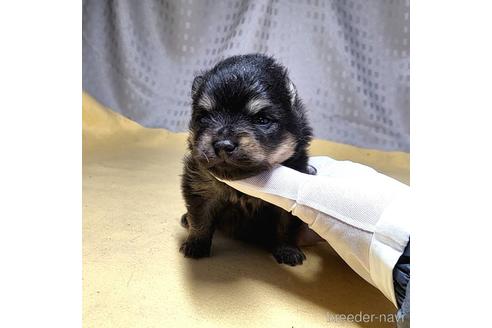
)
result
[(290, 255), (196, 248)]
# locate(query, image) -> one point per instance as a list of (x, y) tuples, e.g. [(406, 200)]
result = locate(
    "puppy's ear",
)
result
[(197, 83), (292, 90)]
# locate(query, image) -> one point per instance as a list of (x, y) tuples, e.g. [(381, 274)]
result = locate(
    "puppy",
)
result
[(246, 118)]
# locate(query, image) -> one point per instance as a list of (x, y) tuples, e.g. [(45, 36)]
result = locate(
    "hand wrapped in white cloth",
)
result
[(361, 213)]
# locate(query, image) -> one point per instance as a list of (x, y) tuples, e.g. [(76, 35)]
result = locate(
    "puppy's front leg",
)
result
[(285, 250), (200, 231)]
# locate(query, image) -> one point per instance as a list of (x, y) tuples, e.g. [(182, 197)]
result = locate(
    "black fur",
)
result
[(257, 138)]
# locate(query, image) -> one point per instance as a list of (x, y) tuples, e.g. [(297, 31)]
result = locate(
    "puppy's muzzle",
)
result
[(224, 148)]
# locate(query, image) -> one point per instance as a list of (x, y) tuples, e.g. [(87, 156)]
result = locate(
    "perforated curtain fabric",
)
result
[(348, 59)]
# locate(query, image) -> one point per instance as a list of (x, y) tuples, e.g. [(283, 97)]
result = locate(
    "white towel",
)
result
[(361, 213)]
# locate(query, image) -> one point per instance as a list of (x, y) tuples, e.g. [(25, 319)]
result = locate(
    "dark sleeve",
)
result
[(401, 280)]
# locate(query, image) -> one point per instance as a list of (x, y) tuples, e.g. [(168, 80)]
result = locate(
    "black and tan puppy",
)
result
[(246, 118)]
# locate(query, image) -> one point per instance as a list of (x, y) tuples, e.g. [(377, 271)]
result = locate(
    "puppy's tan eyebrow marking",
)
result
[(255, 105), (206, 102)]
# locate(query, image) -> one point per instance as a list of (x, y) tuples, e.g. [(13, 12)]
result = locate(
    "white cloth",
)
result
[(361, 213)]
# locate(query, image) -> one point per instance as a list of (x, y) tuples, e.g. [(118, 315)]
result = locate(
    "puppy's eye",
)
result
[(262, 120)]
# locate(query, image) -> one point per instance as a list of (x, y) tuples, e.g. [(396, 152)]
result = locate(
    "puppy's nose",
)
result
[(226, 146)]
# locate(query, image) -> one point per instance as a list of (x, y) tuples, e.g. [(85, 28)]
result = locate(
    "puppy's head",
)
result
[(246, 117)]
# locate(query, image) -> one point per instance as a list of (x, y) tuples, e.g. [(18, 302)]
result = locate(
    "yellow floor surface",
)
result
[(134, 276)]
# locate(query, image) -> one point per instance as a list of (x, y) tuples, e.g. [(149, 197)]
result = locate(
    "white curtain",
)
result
[(348, 59)]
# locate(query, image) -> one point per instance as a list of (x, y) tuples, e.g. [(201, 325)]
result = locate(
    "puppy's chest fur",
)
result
[(249, 205), (247, 218), (234, 213), (204, 184)]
